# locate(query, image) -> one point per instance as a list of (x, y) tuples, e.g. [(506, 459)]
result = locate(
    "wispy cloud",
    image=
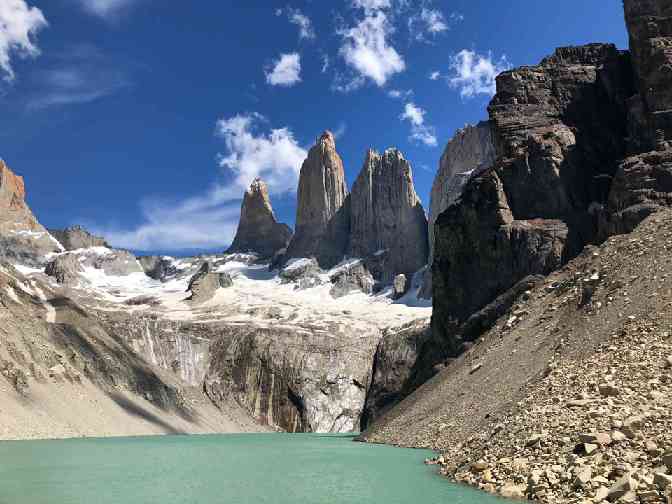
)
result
[(398, 94), (475, 74), (420, 131), (19, 24), (106, 9), (366, 48), (285, 71), (435, 75), (303, 22), (210, 219), (82, 74)]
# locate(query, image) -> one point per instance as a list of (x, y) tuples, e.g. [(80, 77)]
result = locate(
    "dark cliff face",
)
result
[(559, 129), (258, 230)]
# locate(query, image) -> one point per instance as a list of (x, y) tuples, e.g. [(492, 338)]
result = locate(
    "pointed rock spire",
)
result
[(321, 195), (258, 230), (387, 216)]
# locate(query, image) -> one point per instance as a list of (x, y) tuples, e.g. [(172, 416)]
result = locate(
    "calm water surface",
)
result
[(228, 469)]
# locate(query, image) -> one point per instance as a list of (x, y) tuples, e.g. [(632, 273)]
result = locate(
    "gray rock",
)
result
[(158, 267), (400, 286), (204, 284), (65, 268), (76, 237), (386, 214), (300, 269), (351, 277), (321, 195), (258, 230), (622, 487)]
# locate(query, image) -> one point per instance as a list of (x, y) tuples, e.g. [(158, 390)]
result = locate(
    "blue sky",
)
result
[(145, 119)]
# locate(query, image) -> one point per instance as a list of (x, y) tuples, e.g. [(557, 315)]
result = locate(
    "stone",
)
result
[(622, 487), (65, 268), (386, 215), (400, 286), (601, 494), (321, 195), (662, 481), (668, 362), (631, 426), (76, 237), (158, 267), (351, 277), (298, 269), (512, 491), (667, 460), (582, 477), (601, 438), (479, 466), (609, 390), (205, 283), (618, 436), (258, 230)]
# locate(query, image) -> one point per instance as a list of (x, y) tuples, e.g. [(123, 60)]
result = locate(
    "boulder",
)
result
[(320, 198), (400, 286), (386, 215), (158, 267), (258, 230), (299, 269), (351, 277), (204, 284), (65, 268)]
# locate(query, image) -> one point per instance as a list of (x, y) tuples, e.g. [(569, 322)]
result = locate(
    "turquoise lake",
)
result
[(226, 469)]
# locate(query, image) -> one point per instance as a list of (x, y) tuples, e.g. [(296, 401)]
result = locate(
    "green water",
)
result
[(229, 469)]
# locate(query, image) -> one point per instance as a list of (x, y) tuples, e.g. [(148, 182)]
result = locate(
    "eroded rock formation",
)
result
[(205, 283), (320, 198), (76, 237), (258, 230), (22, 238), (387, 216)]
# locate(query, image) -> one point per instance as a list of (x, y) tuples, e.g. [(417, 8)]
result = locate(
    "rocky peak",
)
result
[(12, 188), (258, 230), (76, 237), (386, 215), (321, 194)]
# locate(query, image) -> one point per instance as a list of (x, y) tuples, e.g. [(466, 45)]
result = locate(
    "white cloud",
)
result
[(18, 23), (325, 63), (276, 157), (296, 17), (210, 220), (105, 8), (419, 130), (400, 93), (370, 5), (430, 22), (82, 74), (435, 75), (475, 74), (285, 71), (366, 49)]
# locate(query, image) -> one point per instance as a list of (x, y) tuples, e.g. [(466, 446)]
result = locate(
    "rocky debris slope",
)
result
[(22, 238), (320, 198), (68, 267), (62, 374), (564, 399), (386, 215), (258, 230), (76, 237), (466, 155)]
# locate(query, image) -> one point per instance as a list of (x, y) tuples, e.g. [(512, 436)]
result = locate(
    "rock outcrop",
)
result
[(320, 198), (467, 154), (559, 129), (65, 268), (387, 216), (351, 277), (258, 230), (158, 267), (205, 283), (76, 237), (23, 239)]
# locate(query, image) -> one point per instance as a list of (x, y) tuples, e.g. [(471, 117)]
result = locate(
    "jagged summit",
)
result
[(77, 237), (258, 230), (321, 195)]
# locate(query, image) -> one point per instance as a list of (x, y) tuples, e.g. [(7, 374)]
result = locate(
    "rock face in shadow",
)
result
[(321, 195), (467, 154), (258, 230), (23, 239), (559, 128), (386, 215), (76, 237)]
